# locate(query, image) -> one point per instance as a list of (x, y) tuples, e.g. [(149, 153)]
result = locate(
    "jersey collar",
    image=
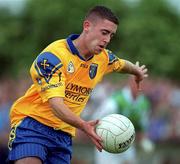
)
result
[(72, 47)]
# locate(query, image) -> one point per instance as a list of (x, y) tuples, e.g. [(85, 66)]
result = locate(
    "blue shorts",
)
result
[(33, 139)]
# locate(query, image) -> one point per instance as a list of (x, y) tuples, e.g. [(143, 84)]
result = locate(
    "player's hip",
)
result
[(30, 130)]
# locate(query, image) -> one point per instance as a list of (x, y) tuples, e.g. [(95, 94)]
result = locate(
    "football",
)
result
[(117, 133)]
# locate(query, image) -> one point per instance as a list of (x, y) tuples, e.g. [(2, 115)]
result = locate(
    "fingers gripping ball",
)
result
[(117, 133)]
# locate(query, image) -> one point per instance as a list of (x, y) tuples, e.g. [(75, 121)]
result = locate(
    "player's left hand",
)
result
[(142, 73)]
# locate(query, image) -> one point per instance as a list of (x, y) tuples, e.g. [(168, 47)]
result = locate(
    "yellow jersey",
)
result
[(60, 71)]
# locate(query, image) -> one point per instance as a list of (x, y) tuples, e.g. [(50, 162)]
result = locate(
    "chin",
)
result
[(97, 51)]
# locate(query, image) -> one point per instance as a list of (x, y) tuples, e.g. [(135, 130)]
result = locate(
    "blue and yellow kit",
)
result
[(60, 71)]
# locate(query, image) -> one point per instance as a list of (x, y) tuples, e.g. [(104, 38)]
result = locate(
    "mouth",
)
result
[(101, 46)]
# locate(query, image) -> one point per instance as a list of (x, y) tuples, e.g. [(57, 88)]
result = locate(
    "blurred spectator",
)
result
[(174, 97), (136, 107), (5, 104), (9, 90), (99, 94)]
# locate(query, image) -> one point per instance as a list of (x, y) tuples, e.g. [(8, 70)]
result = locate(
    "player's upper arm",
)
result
[(114, 63), (48, 75)]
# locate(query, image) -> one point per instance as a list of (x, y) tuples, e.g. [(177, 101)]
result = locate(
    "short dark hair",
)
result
[(102, 12)]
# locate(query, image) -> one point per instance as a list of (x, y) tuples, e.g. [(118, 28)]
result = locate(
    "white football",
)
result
[(117, 133)]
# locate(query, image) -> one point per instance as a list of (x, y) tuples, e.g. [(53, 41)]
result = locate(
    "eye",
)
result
[(104, 32)]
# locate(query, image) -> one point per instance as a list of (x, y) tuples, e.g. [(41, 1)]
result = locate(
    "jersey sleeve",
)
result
[(115, 64), (48, 76)]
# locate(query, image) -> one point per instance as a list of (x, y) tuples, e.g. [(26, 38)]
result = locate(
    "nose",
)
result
[(107, 39)]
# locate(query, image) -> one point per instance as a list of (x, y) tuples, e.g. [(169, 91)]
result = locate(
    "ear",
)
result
[(86, 25)]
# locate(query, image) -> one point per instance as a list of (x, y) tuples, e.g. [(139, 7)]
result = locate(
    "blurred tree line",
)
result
[(149, 32)]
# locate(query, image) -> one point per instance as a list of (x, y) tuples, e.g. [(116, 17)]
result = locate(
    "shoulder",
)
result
[(57, 49), (50, 57), (109, 56), (57, 46)]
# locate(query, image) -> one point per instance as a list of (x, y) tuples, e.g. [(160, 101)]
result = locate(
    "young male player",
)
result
[(43, 121)]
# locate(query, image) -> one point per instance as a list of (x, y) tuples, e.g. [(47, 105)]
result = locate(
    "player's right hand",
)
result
[(89, 129)]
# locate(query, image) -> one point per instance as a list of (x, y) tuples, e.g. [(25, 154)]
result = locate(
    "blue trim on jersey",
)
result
[(72, 48), (112, 58), (71, 45), (47, 64)]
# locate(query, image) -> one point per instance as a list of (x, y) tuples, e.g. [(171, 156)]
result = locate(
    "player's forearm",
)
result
[(130, 68), (65, 114)]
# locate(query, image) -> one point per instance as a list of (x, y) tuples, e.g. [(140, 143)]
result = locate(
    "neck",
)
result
[(81, 47)]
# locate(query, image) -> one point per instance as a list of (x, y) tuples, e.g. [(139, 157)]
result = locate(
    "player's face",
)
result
[(99, 34)]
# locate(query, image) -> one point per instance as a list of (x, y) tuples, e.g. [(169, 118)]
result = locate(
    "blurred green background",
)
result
[(149, 32)]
